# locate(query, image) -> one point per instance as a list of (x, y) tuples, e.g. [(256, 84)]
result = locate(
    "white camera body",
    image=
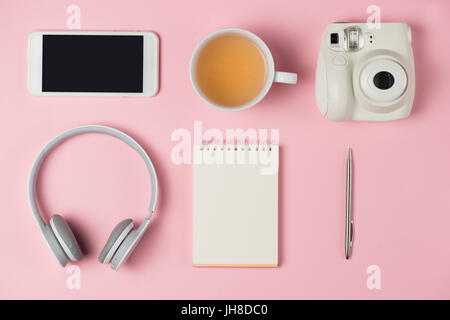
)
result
[(365, 74)]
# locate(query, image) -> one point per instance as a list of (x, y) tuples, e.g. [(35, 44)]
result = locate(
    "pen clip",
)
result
[(351, 234)]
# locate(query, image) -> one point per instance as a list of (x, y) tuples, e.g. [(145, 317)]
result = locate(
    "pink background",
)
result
[(401, 169)]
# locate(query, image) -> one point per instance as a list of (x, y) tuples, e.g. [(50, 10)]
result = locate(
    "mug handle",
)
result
[(285, 77)]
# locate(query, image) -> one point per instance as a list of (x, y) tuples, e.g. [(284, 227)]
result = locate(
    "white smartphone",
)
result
[(91, 63)]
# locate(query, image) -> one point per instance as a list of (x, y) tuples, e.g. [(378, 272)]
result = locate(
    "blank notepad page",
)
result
[(235, 205)]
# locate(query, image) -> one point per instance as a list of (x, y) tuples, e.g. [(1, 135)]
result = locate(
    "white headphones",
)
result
[(59, 236)]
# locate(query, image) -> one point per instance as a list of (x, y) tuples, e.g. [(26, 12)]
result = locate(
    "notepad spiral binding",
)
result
[(236, 147), (265, 155)]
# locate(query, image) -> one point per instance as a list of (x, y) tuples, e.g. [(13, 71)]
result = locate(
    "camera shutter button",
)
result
[(339, 60)]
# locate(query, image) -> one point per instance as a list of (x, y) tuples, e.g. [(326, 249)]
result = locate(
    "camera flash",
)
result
[(353, 39)]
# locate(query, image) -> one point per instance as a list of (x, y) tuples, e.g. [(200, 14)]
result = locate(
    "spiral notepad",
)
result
[(235, 205)]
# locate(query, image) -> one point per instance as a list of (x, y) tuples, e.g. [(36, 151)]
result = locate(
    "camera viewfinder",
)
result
[(334, 38)]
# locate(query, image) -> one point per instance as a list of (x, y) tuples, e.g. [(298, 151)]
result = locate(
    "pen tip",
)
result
[(350, 152)]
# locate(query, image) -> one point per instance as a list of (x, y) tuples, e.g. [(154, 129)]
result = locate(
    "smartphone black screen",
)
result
[(92, 63)]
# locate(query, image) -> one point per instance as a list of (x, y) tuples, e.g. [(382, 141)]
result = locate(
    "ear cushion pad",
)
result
[(125, 250), (54, 245), (65, 238), (116, 237)]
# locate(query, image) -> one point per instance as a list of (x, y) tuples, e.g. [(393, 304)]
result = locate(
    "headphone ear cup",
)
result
[(116, 237), (65, 237), (54, 245), (125, 250), (128, 245)]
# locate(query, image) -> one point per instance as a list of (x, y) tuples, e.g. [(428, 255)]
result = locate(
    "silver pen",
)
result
[(348, 211)]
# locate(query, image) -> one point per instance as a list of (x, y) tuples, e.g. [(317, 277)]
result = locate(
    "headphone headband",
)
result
[(78, 131)]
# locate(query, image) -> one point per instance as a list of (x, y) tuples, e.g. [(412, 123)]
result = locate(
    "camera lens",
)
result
[(334, 38), (383, 80)]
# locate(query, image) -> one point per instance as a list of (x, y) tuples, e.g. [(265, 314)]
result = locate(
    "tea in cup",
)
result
[(233, 69)]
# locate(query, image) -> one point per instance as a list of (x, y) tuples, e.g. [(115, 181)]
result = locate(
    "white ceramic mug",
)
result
[(272, 75)]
